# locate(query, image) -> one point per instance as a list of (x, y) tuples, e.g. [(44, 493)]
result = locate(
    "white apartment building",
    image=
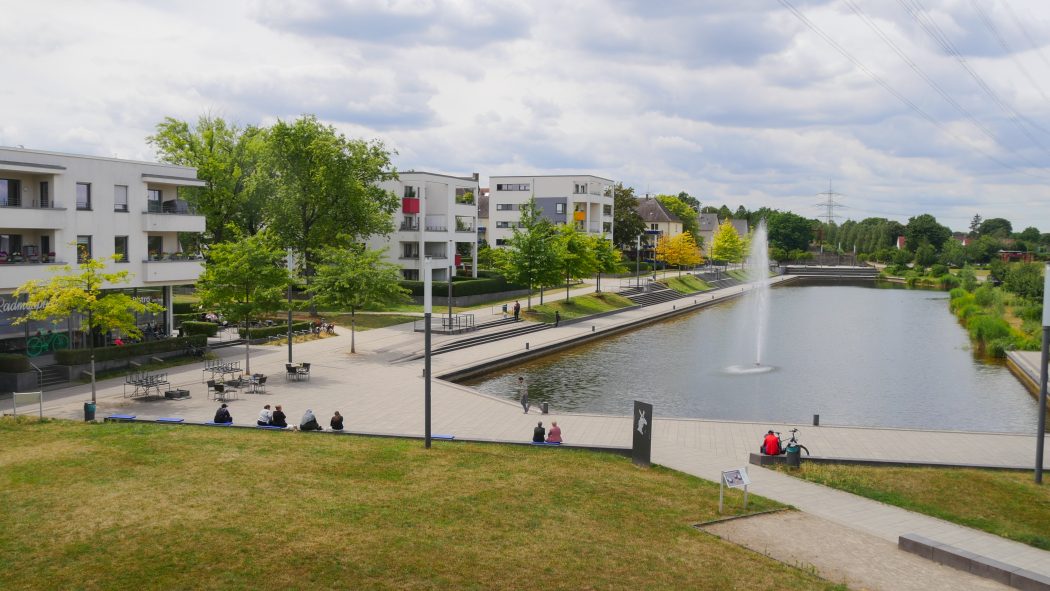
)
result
[(61, 208), (438, 219), (583, 200)]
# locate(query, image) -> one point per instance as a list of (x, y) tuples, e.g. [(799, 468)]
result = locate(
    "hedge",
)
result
[(180, 318), (13, 363), (183, 307), (271, 331), (193, 327), (495, 284), (82, 356)]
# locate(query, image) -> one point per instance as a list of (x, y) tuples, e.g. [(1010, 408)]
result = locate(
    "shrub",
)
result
[(82, 356), (277, 330), (968, 278), (948, 281), (183, 307), (968, 310), (985, 295), (985, 328), (13, 363), (192, 327), (1030, 312), (998, 347), (956, 293), (957, 303), (939, 270)]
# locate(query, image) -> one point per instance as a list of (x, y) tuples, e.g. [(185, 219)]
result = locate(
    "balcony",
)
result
[(409, 226), (14, 274), (410, 205), (464, 224), (436, 223), (24, 217), (172, 271), (172, 216)]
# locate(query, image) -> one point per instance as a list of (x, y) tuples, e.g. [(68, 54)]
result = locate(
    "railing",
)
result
[(39, 373), (409, 257), (16, 202), (465, 199), (409, 227), (456, 324), (177, 207)]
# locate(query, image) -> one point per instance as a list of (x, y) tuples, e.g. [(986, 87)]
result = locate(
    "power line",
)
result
[(990, 25), (1038, 49)]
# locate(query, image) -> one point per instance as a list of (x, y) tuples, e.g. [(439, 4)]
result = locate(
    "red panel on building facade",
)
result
[(410, 205)]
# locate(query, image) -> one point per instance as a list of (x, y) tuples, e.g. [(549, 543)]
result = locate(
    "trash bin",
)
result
[(504, 309), (89, 411), (543, 406), (794, 456)]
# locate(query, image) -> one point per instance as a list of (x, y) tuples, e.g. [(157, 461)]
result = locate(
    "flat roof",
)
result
[(447, 176), (547, 176), (90, 157)]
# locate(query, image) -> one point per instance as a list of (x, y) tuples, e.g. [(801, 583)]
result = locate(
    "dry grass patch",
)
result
[(170, 507)]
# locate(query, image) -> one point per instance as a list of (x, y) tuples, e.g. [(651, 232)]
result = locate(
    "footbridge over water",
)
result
[(832, 272)]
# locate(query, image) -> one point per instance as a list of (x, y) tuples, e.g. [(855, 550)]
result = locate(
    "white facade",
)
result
[(583, 200), (438, 212)]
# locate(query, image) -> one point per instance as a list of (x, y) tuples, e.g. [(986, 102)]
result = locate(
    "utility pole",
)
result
[(829, 204)]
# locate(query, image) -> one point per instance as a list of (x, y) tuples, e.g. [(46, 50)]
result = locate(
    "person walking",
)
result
[(523, 394), (517, 310)]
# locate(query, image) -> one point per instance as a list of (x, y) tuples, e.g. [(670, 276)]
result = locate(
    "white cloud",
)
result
[(732, 101)]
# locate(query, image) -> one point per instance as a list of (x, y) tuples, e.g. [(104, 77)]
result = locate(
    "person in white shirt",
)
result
[(265, 416)]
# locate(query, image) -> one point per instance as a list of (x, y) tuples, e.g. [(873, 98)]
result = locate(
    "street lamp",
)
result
[(1040, 435), (638, 262), (428, 303), (289, 262)]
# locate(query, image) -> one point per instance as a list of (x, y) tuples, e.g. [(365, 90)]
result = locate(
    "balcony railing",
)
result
[(407, 226), (465, 199), (16, 202), (172, 207)]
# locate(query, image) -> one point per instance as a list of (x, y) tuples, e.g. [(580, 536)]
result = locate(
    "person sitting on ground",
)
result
[(309, 422), (771, 444), (222, 416), (336, 422), (279, 419), (265, 417), (554, 436), (538, 433)]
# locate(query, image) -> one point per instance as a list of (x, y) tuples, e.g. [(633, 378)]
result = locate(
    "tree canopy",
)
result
[(679, 251), (531, 256), (925, 229), (578, 259), (627, 224), (789, 231), (996, 228), (690, 219), (727, 245)]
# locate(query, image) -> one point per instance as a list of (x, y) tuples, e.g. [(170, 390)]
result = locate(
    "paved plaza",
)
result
[(377, 392)]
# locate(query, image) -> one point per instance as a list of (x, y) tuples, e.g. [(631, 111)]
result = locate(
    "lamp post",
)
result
[(1040, 435), (427, 309), (451, 272), (289, 263), (638, 262)]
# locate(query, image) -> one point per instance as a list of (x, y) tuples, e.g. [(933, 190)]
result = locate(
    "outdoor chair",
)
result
[(260, 385), (290, 372), (304, 371)]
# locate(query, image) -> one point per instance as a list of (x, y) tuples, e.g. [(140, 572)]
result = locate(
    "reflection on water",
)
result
[(855, 355)]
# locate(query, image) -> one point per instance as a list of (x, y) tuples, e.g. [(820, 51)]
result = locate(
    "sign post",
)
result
[(734, 478), (642, 429)]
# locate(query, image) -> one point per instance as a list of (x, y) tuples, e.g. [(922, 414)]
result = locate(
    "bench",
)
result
[(960, 559), (168, 420)]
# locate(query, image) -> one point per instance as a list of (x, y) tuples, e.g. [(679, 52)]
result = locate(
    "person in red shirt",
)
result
[(771, 444)]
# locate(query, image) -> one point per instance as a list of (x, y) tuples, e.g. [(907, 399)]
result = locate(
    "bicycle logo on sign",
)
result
[(41, 344)]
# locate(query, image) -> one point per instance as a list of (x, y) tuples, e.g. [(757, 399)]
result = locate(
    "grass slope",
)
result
[(1008, 504), (133, 506), (686, 284), (585, 305)]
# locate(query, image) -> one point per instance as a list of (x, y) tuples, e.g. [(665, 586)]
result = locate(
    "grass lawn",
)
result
[(134, 506), (583, 305), (1008, 504), (369, 321), (687, 284)]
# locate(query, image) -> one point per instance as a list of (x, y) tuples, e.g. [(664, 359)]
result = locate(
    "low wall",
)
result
[(957, 558), (473, 300), (18, 382)]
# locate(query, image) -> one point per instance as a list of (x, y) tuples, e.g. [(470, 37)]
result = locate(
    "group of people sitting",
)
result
[(277, 418), (553, 437), (321, 326)]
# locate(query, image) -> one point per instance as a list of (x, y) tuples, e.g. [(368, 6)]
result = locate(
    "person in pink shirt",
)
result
[(554, 435)]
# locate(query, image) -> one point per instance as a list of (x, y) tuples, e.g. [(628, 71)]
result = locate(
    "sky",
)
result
[(902, 107)]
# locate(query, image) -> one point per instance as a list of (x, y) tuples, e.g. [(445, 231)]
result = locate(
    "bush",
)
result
[(183, 307), (1030, 312), (998, 347), (948, 281), (956, 293), (985, 295), (957, 303), (466, 287), (939, 270), (969, 310), (275, 331), (968, 278), (985, 328), (13, 363), (192, 327), (82, 356)]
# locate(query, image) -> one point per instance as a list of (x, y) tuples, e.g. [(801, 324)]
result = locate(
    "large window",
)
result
[(579, 188), (83, 248), (606, 210), (513, 187), (10, 193), (10, 243), (153, 200), (506, 206), (120, 248), (45, 194), (155, 247), (120, 198), (83, 195), (559, 208), (410, 192)]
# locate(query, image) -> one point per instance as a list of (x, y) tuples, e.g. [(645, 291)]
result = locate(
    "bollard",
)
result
[(674, 306), (544, 408), (526, 346), (816, 420), (592, 328)]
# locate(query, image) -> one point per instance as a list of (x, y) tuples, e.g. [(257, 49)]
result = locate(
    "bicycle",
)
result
[(791, 442), (39, 345)]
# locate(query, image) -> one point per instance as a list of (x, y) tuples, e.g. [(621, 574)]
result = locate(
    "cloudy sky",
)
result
[(906, 106)]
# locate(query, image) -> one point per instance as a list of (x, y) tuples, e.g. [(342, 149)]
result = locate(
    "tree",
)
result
[(1030, 234), (727, 244), (326, 188), (606, 256), (789, 231), (953, 254), (82, 292), (689, 200), (724, 213), (244, 281), (227, 159), (975, 224), (741, 213), (925, 255), (356, 278), (1026, 280), (690, 219), (924, 228), (982, 250), (627, 224), (531, 255), (577, 257), (996, 228), (680, 251)]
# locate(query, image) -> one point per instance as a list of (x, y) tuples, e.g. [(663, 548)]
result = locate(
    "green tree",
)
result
[(690, 219), (577, 255), (326, 188), (982, 250), (724, 213), (789, 231), (689, 200), (227, 159), (968, 278), (606, 256), (1026, 280), (244, 281), (975, 224), (996, 228), (925, 255), (627, 224), (924, 228), (1030, 234), (953, 254), (727, 245), (531, 256), (356, 278), (82, 292)]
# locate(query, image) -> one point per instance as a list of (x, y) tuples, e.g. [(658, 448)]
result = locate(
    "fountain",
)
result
[(758, 303)]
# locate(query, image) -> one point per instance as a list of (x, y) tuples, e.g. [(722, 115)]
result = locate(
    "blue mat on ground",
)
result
[(121, 417), (446, 437), (270, 427), (544, 443), (213, 424), (169, 420)]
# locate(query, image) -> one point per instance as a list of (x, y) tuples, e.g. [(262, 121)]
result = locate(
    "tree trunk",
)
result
[(566, 287), (353, 327), (247, 347)]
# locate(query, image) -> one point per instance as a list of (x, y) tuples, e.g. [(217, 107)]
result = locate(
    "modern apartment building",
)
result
[(583, 200), (438, 219), (63, 208)]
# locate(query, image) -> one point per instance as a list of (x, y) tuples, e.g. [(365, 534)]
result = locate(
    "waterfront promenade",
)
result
[(377, 393)]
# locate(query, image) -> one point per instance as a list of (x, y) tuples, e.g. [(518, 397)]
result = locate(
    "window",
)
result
[(501, 242), (83, 248), (513, 187), (606, 210), (579, 188), (654, 226), (120, 248), (10, 193), (83, 195), (410, 192), (507, 224), (465, 196), (607, 227), (11, 243), (559, 208), (153, 200), (120, 198), (45, 195), (155, 247), (410, 274), (506, 206)]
